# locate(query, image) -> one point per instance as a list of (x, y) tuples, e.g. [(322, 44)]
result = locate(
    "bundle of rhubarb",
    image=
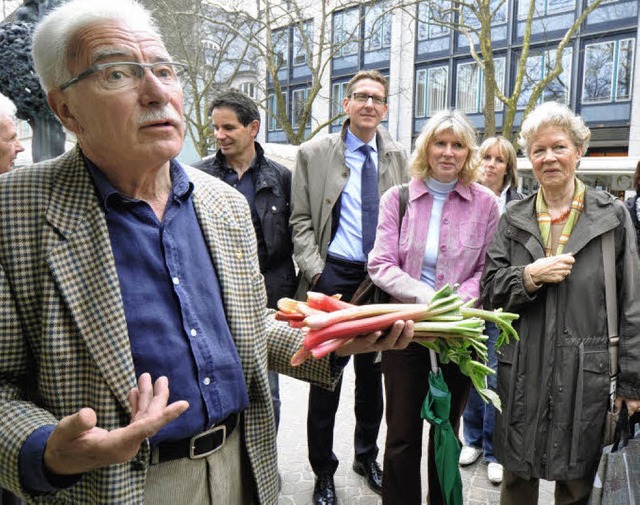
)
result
[(447, 325)]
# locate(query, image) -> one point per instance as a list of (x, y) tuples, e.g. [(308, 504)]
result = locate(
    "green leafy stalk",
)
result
[(501, 319)]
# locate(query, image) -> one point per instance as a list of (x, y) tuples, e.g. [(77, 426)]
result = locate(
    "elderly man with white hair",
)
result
[(122, 273), (10, 146)]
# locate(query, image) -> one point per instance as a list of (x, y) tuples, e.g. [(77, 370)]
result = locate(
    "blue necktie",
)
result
[(370, 199)]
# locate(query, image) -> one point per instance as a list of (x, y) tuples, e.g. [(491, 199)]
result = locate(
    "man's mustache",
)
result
[(165, 114)]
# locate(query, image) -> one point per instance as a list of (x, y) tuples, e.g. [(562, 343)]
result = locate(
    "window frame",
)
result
[(298, 48), (382, 24), (479, 85), (345, 49), (295, 117), (523, 9), (546, 55), (424, 96), (615, 65), (272, 119), (428, 26)]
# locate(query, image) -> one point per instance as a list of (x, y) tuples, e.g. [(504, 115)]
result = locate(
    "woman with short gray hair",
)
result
[(546, 264)]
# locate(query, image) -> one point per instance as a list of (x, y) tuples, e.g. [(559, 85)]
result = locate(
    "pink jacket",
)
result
[(469, 219)]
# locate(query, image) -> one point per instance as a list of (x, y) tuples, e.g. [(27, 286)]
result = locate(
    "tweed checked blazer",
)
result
[(63, 335)]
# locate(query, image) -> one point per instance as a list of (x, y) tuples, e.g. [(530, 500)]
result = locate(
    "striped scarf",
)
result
[(544, 218)]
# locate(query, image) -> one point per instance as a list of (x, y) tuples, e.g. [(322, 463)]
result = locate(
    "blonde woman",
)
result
[(447, 227)]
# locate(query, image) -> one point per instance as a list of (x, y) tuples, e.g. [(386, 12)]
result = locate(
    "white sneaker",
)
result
[(494, 472), (469, 455)]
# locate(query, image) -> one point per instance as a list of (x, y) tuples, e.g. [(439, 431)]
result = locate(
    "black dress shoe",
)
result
[(324, 492), (372, 472)]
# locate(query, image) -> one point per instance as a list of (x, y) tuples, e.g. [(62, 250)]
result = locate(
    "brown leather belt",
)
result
[(198, 446)]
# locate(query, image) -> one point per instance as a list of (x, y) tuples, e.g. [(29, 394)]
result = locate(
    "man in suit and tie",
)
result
[(124, 273), (335, 197)]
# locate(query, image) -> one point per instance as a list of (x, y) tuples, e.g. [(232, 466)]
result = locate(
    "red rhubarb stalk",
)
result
[(362, 326), (300, 357), (325, 302), (317, 321), (321, 350), (289, 316)]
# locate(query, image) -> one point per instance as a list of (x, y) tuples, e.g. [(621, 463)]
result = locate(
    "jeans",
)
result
[(479, 417)]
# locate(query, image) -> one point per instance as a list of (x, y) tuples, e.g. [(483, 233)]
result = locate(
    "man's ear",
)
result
[(60, 107), (254, 127)]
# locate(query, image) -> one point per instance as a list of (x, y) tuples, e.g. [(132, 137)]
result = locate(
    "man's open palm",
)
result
[(76, 445)]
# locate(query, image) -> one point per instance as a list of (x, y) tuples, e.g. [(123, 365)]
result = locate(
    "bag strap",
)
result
[(608, 259), (403, 199)]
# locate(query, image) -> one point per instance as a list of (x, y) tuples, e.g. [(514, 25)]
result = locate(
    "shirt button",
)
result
[(176, 281), (274, 208), (207, 381), (445, 220), (443, 248), (193, 332)]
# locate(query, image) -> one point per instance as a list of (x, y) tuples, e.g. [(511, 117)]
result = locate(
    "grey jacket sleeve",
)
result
[(306, 250)]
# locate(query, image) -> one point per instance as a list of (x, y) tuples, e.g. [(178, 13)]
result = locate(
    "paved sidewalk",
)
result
[(298, 479)]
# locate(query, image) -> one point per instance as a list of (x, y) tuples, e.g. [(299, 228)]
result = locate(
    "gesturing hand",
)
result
[(77, 445)]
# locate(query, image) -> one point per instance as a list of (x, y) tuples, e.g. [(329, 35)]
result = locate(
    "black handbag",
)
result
[(367, 292), (617, 480)]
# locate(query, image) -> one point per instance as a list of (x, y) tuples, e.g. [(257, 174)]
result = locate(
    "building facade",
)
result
[(430, 67)]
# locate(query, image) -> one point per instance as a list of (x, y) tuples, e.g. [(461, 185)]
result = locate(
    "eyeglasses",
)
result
[(129, 74), (363, 98)]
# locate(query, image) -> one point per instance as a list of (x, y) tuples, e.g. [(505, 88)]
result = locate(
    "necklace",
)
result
[(560, 218)]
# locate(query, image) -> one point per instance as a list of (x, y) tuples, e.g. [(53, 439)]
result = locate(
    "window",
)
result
[(431, 91), (537, 67), (345, 32), (498, 8), (608, 71), (430, 19), (249, 89), (272, 111), (470, 86), (544, 7), (302, 42), (338, 93), (281, 48), (377, 27), (299, 98)]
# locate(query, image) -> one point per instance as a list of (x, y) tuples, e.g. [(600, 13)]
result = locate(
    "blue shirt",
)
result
[(174, 311), (347, 242)]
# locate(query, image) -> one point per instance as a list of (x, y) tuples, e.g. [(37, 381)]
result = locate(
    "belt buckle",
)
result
[(210, 431)]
